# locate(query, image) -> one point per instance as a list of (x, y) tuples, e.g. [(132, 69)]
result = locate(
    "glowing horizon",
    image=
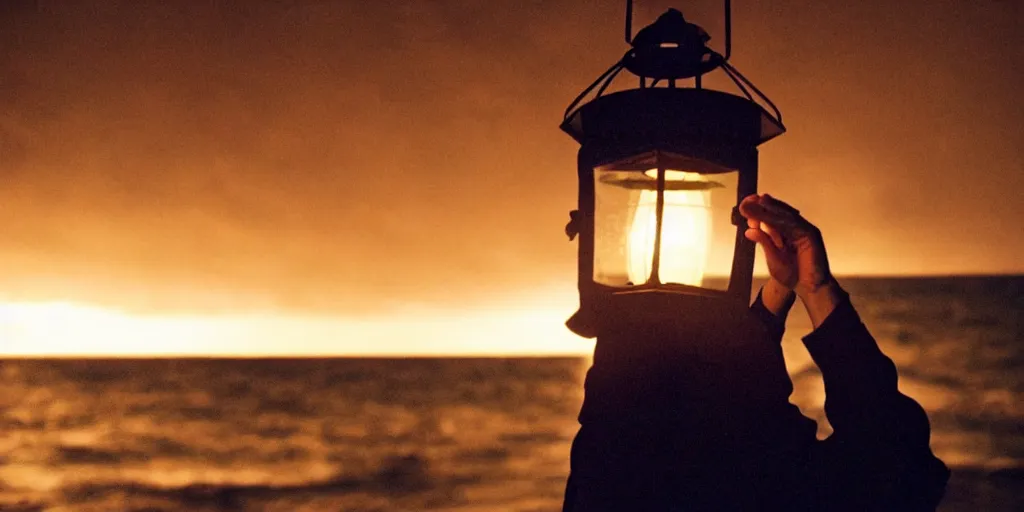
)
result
[(510, 328), (521, 324)]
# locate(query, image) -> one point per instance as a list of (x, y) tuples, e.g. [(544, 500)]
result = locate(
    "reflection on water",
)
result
[(454, 434)]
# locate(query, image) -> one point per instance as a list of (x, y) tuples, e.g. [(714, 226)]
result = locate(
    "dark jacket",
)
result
[(668, 424)]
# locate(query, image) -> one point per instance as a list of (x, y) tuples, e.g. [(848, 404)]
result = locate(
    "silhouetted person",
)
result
[(670, 422)]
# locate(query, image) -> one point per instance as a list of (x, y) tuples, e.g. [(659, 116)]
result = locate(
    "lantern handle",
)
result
[(740, 80), (629, 22), (728, 31), (607, 77)]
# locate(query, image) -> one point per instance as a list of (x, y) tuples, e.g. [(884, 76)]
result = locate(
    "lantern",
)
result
[(662, 168)]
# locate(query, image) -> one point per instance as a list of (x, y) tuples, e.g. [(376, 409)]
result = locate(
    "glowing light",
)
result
[(685, 234)]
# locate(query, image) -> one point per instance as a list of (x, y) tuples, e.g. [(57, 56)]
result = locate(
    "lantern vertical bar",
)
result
[(585, 208), (659, 210), (742, 275)]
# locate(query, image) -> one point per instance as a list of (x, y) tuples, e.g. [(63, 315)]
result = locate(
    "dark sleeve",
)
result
[(776, 324), (878, 457)]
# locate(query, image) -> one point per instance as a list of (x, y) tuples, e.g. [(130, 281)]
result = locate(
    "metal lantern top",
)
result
[(659, 112)]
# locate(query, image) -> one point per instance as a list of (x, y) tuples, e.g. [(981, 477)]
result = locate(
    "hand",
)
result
[(794, 251)]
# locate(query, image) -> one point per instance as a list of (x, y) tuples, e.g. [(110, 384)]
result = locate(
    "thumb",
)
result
[(771, 251)]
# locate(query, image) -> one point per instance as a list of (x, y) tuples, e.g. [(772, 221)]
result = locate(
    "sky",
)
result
[(392, 168)]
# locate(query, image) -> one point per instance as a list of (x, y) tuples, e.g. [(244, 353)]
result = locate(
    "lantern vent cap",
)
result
[(671, 48)]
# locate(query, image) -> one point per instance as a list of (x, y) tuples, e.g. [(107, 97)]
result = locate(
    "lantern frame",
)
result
[(719, 128)]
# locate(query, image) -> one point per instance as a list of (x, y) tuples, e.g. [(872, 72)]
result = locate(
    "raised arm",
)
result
[(878, 457)]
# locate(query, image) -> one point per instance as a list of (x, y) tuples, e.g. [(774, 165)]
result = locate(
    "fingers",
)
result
[(751, 208), (785, 220), (767, 198), (745, 203), (775, 235), (771, 252), (758, 236), (783, 214), (780, 220)]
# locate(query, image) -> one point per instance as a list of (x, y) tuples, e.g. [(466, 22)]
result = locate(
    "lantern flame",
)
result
[(685, 235)]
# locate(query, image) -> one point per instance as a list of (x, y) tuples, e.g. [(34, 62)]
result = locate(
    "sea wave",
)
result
[(394, 476)]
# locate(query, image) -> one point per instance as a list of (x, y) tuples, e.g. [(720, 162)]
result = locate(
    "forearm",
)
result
[(881, 436), (861, 393), (855, 371)]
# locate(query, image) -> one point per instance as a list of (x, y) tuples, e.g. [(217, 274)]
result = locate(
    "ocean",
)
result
[(459, 435)]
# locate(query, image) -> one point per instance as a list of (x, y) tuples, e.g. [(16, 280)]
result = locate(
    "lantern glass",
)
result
[(697, 241)]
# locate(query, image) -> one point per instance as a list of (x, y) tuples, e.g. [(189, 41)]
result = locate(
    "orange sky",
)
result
[(354, 160)]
